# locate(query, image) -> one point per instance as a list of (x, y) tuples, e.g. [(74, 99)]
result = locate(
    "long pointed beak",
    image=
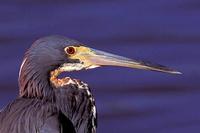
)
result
[(99, 58)]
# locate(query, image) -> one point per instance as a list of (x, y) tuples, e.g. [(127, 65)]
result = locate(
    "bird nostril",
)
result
[(70, 50)]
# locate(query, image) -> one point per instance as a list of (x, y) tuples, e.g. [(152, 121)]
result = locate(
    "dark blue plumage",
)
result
[(42, 108), (49, 104)]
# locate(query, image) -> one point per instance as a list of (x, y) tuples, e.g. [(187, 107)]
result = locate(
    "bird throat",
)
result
[(55, 81), (61, 82)]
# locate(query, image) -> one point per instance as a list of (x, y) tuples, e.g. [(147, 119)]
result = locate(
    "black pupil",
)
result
[(70, 50)]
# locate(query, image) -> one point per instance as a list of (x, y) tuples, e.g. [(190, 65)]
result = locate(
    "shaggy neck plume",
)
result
[(33, 81)]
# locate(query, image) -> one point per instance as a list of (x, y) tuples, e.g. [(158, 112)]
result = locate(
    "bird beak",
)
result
[(91, 58), (94, 58)]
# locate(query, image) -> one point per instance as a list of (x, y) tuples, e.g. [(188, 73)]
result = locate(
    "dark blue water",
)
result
[(162, 31)]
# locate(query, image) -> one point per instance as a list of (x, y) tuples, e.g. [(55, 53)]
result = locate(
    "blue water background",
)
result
[(135, 101)]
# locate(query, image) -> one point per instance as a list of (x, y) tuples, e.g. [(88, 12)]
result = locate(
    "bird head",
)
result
[(56, 54), (70, 55)]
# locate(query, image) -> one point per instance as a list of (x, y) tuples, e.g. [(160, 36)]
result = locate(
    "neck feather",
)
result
[(33, 81)]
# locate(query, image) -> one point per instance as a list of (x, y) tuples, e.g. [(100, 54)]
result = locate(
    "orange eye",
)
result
[(70, 50)]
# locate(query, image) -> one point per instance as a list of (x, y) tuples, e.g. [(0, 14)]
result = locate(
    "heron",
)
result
[(50, 104)]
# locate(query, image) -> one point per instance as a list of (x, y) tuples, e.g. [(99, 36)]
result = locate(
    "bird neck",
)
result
[(57, 82), (72, 97)]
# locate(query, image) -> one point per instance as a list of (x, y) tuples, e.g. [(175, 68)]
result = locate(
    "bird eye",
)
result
[(70, 50)]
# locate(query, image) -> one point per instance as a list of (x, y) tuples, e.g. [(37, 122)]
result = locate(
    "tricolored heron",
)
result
[(47, 104)]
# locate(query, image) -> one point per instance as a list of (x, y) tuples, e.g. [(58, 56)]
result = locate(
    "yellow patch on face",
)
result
[(82, 54)]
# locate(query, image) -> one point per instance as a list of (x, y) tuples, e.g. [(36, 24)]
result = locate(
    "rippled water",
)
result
[(165, 32)]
